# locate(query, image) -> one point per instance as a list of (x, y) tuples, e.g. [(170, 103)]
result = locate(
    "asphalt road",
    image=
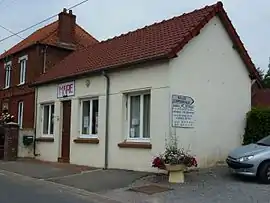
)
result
[(19, 189)]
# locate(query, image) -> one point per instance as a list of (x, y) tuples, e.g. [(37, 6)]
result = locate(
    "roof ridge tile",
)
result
[(156, 23)]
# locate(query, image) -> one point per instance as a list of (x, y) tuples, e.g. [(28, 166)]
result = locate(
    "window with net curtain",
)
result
[(22, 71), (20, 114), (7, 74), (139, 116), (89, 117), (48, 121)]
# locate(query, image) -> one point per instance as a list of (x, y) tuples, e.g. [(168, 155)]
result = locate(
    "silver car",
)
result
[(252, 160)]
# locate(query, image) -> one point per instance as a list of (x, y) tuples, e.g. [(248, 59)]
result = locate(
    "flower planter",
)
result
[(176, 173)]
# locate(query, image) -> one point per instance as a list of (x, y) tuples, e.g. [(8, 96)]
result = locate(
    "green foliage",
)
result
[(261, 73), (257, 125)]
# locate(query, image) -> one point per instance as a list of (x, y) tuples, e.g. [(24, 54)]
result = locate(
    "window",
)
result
[(22, 71), (20, 114), (48, 121), (7, 74), (139, 116), (89, 117)]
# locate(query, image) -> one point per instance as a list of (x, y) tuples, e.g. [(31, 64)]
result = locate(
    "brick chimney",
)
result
[(66, 27)]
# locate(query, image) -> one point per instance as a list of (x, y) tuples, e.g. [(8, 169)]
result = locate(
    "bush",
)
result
[(257, 125)]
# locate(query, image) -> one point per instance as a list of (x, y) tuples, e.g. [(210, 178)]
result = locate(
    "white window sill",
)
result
[(49, 136), (146, 140), (88, 136), (6, 88), (136, 144), (20, 84)]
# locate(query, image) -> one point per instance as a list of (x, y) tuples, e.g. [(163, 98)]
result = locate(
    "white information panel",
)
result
[(182, 111)]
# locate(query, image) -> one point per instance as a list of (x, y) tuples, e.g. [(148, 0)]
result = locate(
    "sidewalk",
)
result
[(206, 185), (81, 177), (42, 170)]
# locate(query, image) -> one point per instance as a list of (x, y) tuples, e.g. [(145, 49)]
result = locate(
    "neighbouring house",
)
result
[(261, 98), (31, 57), (114, 104)]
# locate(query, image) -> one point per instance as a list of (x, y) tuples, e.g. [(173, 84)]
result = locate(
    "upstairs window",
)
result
[(20, 114), (22, 62), (7, 74)]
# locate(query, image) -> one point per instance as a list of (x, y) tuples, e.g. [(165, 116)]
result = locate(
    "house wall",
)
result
[(153, 77), (17, 93), (34, 68), (210, 71)]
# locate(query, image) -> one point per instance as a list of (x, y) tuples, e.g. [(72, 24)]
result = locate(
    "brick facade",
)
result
[(44, 49), (11, 142), (34, 67)]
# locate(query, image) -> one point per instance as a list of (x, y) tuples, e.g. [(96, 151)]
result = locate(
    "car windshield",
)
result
[(265, 141)]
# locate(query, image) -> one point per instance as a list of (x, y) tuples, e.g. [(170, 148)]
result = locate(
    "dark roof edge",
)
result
[(38, 43), (27, 47)]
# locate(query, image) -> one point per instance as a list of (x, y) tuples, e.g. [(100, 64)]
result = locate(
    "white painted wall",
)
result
[(45, 150), (211, 71), (154, 77), (25, 151), (207, 69)]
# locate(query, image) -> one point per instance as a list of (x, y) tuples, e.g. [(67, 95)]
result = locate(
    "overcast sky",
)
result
[(107, 18)]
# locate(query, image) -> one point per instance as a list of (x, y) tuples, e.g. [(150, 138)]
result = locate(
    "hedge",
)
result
[(257, 125)]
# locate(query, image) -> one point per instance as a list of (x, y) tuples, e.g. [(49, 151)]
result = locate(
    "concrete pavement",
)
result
[(20, 189), (42, 170), (55, 182), (86, 178), (101, 180), (214, 185)]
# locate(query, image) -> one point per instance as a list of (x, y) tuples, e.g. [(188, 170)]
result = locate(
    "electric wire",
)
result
[(49, 18)]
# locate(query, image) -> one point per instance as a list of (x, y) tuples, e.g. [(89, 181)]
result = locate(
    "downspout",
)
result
[(106, 120), (44, 51), (35, 123)]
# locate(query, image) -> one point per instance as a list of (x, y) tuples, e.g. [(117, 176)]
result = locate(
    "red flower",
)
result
[(158, 163), (194, 162)]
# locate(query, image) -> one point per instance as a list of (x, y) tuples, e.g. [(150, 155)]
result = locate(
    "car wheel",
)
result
[(264, 173)]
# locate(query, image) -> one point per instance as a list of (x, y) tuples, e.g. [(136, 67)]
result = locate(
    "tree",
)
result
[(266, 78), (261, 72)]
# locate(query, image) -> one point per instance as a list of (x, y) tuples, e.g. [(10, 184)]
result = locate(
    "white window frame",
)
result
[(23, 61), (8, 67), (128, 97), (50, 119), (90, 135), (20, 114)]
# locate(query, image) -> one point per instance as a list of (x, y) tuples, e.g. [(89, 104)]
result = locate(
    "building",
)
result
[(35, 55), (261, 98), (114, 104)]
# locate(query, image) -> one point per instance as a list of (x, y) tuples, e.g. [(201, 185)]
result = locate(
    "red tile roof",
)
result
[(261, 98), (159, 41), (48, 35)]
